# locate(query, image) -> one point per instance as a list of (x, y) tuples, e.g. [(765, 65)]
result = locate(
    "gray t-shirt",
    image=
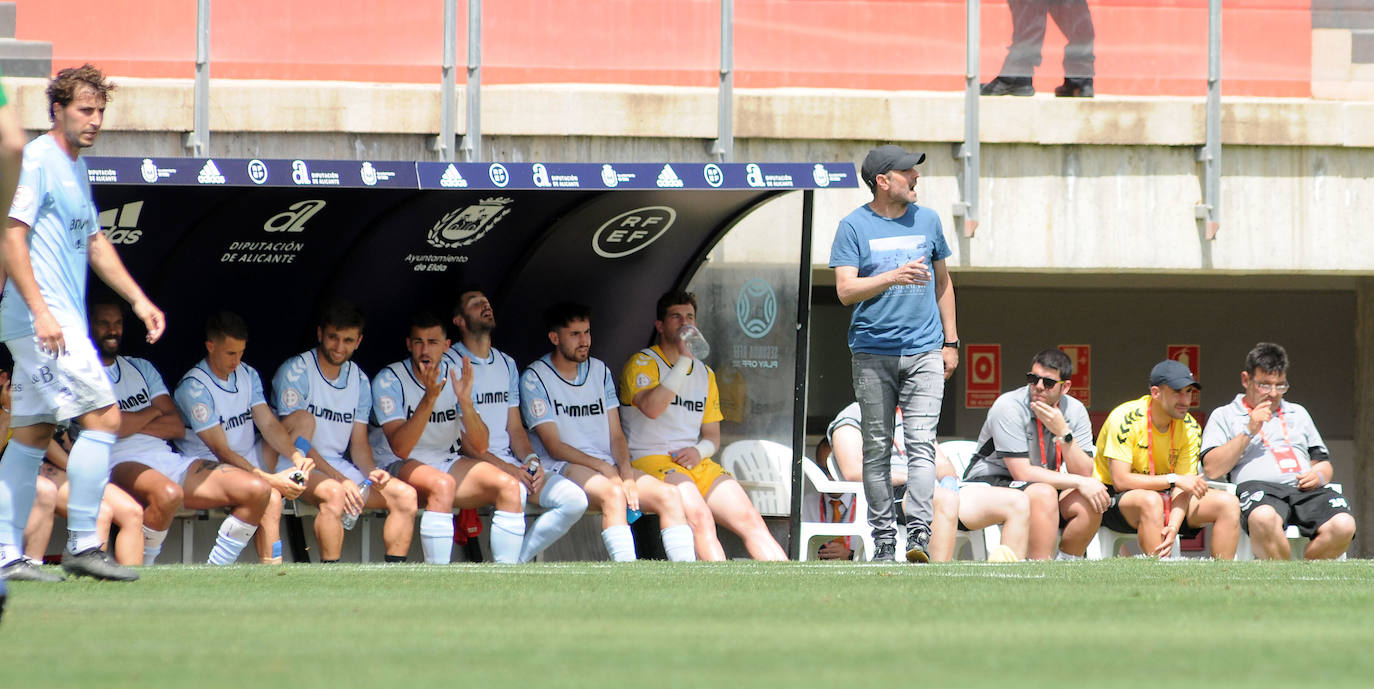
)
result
[(1011, 431), (851, 416), (1292, 426)]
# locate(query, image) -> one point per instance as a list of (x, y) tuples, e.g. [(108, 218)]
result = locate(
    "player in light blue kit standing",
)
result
[(53, 233), (889, 260), (496, 395)]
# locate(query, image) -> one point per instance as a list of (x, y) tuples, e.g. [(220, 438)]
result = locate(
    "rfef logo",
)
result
[(631, 231)]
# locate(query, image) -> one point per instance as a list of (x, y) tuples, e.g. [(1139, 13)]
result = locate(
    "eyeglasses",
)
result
[(1047, 382), (1272, 387)]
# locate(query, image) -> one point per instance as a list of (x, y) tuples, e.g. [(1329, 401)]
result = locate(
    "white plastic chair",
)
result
[(959, 452), (762, 469), (1297, 543), (858, 528)]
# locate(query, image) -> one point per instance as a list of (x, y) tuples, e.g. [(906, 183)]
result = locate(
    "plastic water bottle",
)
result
[(631, 514), (532, 465), (350, 518), (695, 341)]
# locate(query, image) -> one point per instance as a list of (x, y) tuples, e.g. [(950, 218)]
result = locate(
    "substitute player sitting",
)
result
[(142, 463), (1273, 452), (569, 401), (1147, 456), (421, 409), (496, 395), (222, 404), (671, 415), (322, 396)]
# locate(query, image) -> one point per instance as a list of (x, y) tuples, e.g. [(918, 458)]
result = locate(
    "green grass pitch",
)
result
[(1119, 623)]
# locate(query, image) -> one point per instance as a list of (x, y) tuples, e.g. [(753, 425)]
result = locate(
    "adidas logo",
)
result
[(452, 178), (209, 174), (121, 224), (668, 178)]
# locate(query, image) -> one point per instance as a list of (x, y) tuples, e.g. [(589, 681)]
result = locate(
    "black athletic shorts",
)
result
[(1306, 509), (1116, 521)]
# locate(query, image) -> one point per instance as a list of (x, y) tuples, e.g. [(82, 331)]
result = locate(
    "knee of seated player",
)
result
[(45, 495), (401, 498), (1225, 507), (255, 491), (697, 513), (1148, 505), (330, 497), (504, 490), (946, 503), (612, 499), (1043, 498), (1340, 527), (666, 502), (124, 510), (166, 497), (1013, 504), (1264, 521)]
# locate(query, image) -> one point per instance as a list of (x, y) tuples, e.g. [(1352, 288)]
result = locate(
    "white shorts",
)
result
[(171, 464), (50, 389), (348, 469), (442, 465)]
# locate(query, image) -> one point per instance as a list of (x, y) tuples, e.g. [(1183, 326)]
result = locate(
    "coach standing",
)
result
[(902, 335)]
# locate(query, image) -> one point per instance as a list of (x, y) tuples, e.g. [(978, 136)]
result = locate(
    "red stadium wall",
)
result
[(1143, 47)]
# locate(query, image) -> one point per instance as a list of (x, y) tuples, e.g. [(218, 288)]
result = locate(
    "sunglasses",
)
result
[(1045, 381)]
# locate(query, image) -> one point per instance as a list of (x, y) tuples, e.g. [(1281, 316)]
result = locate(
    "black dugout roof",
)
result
[(274, 239)]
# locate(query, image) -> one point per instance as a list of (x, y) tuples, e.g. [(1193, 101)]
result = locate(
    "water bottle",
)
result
[(695, 341), (350, 518), (532, 465), (632, 514)]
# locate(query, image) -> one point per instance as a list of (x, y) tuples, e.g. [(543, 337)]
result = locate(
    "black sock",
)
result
[(329, 562), (395, 558)]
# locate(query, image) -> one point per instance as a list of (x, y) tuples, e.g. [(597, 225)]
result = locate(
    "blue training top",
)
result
[(903, 319)]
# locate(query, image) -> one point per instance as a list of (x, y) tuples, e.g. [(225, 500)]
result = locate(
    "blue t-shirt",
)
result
[(54, 199), (903, 319)]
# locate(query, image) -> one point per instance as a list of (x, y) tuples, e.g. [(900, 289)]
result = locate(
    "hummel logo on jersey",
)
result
[(235, 421), (436, 416), (690, 405), (209, 174), (121, 224), (330, 414), (134, 401), (502, 397), (596, 408), (452, 178), (668, 178)]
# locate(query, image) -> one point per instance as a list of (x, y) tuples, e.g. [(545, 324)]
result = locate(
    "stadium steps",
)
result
[(21, 58)]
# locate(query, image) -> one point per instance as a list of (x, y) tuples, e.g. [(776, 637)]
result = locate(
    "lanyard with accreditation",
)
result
[(1283, 456), (1150, 448)]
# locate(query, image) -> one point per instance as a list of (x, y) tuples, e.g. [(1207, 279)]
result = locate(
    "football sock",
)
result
[(18, 483), (507, 536), (394, 558), (1065, 556), (88, 469), (565, 503), (678, 544), (620, 542), (234, 534), (152, 544), (436, 536)]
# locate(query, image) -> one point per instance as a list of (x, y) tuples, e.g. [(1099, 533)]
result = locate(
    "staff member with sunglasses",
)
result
[(1271, 448), (1147, 454), (1039, 439)]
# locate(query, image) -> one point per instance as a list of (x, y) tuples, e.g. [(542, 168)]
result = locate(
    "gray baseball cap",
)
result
[(886, 159), (1173, 374)]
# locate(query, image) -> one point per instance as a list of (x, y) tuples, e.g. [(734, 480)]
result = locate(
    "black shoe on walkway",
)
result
[(1075, 88), (1008, 86)]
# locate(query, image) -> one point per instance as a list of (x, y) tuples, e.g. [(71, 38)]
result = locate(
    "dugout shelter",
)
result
[(275, 239)]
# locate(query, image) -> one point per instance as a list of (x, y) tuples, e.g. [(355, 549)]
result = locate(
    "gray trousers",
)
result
[(916, 383), (1028, 20)]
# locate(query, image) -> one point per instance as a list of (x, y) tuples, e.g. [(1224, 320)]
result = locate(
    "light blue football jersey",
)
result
[(54, 200), (495, 390)]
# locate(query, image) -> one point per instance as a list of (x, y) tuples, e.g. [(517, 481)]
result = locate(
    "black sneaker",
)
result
[(1008, 86), (97, 564), (24, 569), (1075, 88), (885, 552), (917, 547)]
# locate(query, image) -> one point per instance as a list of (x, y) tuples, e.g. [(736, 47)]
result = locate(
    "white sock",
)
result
[(620, 542), (81, 541), (1065, 556), (152, 544), (234, 534), (10, 553), (566, 503), (507, 536), (18, 484), (678, 544), (436, 536)]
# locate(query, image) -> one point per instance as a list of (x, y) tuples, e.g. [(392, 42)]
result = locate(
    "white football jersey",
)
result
[(206, 401), (395, 394), (335, 404), (579, 408), (680, 424), (495, 389), (135, 383)]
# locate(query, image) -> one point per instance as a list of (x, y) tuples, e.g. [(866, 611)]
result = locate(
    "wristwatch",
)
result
[(1063, 439), (1172, 478), (954, 344)]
